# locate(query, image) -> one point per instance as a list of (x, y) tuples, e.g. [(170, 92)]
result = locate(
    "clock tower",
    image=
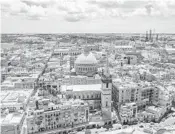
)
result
[(106, 91)]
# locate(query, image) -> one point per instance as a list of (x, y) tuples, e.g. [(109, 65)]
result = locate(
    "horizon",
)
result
[(87, 33)]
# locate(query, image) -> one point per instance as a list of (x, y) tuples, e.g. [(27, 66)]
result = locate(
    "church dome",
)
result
[(86, 59)]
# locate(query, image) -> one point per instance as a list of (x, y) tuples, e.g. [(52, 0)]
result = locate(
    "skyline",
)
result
[(87, 66), (87, 16)]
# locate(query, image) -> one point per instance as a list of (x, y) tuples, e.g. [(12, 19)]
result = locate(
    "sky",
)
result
[(87, 16)]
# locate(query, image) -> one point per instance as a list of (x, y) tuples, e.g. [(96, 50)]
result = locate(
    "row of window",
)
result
[(54, 114), (55, 125), (66, 115), (119, 49), (13, 108), (87, 96), (74, 82), (86, 69)]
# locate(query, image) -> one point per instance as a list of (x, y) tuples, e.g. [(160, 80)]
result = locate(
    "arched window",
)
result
[(107, 85)]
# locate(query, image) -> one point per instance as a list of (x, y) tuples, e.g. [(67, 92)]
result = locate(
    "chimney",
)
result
[(146, 39), (157, 37), (150, 35)]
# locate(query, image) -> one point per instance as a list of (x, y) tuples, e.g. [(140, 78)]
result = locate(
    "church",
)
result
[(98, 96)]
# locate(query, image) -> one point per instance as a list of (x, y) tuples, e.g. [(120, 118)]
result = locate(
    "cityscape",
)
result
[(86, 83)]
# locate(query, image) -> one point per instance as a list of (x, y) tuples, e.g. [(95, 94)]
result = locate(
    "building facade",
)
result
[(128, 112), (55, 117)]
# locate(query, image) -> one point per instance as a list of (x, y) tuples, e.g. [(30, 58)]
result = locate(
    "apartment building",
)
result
[(128, 112), (133, 92), (123, 93), (54, 117), (11, 123)]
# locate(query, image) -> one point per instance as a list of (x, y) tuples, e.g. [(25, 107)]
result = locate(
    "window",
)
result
[(107, 85), (106, 104)]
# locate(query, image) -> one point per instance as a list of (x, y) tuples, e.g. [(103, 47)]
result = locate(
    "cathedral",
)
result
[(97, 95)]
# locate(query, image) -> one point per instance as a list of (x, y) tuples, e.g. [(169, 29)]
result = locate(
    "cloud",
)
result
[(42, 3), (18, 8), (77, 10), (36, 12), (133, 4), (149, 8), (105, 3), (74, 18), (74, 11), (160, 8), (108, 4)]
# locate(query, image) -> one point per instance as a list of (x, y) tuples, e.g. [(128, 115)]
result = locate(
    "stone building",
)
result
[(48, 116)]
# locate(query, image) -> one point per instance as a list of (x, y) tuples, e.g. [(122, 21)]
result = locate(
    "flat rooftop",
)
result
[(12, 118), (11, 96), (92, 87), (155, 109)]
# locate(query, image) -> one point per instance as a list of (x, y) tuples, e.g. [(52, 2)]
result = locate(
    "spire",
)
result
[(146, 36), (86, 49), (107, 63), (69, 66), (150, 35), (157, 37)]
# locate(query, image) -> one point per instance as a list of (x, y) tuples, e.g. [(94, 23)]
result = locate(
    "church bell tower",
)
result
[(106, 92)]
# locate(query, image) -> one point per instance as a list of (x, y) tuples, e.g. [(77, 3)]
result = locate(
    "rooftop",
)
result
[(155, 109), (92, 87), (15, 96), (86, 59), (12, 118)]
